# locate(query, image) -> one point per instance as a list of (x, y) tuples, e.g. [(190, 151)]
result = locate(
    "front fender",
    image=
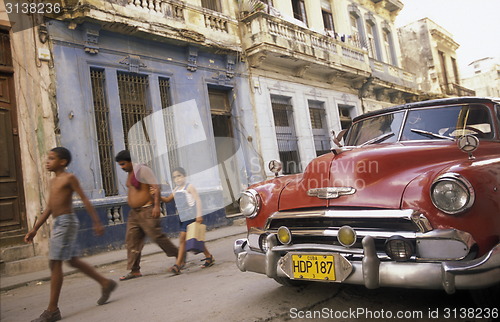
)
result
[(482, 220)]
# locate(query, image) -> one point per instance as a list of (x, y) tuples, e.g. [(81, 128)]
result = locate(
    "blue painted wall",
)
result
[(72, 66)]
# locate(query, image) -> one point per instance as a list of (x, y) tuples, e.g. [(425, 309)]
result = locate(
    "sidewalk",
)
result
[(116, 256)]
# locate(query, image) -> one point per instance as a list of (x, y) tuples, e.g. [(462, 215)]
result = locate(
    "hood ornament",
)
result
[(330, 192), (468, 144)]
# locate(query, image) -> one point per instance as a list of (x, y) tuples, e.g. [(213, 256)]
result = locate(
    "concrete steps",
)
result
[(21, 260)]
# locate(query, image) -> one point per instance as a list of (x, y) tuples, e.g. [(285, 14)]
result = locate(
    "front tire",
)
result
[(486, 298)]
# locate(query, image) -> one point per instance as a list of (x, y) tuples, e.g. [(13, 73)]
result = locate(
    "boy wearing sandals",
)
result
[(63, 244), (144, 216), (188, 204)]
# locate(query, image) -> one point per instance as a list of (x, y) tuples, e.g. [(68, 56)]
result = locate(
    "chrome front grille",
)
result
[(389, 220), (321, 226)]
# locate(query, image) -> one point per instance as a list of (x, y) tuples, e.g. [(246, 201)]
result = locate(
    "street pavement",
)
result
[(222, 293), (116, 256)]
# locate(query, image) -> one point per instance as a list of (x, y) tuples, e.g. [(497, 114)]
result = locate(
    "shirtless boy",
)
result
[(144, 216), (63, 245)]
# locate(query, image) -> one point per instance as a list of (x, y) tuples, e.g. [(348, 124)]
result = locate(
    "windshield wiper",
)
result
[(378, 139), (431, 134)]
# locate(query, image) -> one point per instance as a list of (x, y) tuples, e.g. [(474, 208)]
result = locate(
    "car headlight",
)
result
[(249, 203), (452, 194)]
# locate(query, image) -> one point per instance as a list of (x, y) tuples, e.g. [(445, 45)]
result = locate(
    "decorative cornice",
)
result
[(445, 38), (230, 63), (133, 62), (91, 38), (192, 58)]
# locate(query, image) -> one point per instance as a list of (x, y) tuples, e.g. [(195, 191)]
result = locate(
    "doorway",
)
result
[(220, 109), (12, 208)]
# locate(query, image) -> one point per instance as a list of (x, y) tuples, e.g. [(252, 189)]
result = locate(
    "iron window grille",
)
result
[(104, 141), (135, 107)]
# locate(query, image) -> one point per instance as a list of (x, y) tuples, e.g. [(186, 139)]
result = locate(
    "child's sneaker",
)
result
[(106, 292), (48, 316)]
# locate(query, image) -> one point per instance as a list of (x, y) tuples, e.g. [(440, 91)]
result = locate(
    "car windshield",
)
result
[(432, 123), (377, 129), (447, 123)]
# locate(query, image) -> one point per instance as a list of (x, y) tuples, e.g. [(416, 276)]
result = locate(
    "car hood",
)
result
[(373, 176)]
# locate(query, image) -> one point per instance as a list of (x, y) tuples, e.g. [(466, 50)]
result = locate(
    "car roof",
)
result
[(437, 102)]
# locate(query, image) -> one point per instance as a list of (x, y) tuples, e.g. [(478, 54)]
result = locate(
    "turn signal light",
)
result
[(346, 236), (284, 235)]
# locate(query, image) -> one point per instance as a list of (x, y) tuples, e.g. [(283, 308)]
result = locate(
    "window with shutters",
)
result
[(355, 29), (388, 47), (212, 5), (326, 12), (299, 10), (371, 40)]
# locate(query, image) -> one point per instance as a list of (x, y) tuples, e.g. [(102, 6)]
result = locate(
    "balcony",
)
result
[(393, 77), (390, 5), (453, 89), (162, 20), (275, 44)]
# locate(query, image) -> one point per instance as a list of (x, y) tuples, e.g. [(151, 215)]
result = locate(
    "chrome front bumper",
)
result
[(373, 273)]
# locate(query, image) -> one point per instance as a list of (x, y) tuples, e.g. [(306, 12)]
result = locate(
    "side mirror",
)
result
[(275, 167)]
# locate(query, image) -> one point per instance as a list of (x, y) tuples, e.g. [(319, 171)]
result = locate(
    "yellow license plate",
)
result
[(313, 267)]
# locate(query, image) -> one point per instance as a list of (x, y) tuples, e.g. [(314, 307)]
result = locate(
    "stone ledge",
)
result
[(24, 266)]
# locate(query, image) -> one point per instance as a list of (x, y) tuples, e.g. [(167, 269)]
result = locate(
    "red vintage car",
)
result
[(412, 200)]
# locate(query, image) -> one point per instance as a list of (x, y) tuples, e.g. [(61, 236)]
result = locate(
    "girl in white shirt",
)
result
[(188, 205)]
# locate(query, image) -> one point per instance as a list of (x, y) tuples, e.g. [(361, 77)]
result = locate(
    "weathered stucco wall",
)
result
[(35, 104)]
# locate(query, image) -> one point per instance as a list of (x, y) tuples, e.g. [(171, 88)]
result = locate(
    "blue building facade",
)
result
[(108, 81)]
